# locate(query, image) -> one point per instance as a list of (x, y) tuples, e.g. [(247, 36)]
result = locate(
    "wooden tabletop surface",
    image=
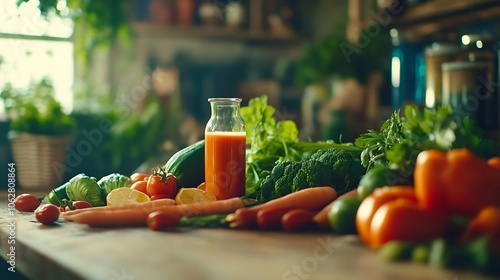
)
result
[(73, 251)]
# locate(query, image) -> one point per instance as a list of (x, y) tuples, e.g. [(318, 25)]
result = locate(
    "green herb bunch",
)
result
[(36, 110), (402, 138)]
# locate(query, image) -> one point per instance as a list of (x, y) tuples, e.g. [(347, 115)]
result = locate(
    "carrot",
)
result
[(311, 199), (321, 218), (138, 217), (146, 205)]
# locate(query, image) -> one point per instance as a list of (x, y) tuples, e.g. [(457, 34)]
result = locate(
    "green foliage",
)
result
[(113, 181), (337, 168), (36, 110), (271, 141), (334, 55), (85, 188), (97, 23), (402, 138)]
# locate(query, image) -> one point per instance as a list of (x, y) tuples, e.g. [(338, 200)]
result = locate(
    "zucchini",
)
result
[(188, 165)]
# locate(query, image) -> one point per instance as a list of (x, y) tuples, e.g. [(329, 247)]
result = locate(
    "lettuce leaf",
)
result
[(85, 188)]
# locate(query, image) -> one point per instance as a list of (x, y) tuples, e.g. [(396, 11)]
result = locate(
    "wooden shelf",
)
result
[(210, 32), (435, 16), (438, 9)]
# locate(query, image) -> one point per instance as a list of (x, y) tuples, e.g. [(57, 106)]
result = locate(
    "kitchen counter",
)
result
[(73, 251)]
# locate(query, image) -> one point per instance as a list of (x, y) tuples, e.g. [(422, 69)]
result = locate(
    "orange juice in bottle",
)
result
[(225, 141)]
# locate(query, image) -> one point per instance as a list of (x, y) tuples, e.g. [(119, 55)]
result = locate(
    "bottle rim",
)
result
[(225, 100)]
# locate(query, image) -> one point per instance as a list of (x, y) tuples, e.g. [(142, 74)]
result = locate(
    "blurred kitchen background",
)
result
[(113, 86)]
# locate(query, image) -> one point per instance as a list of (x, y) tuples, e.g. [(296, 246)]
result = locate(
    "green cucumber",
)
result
[(188, 165), (56, 195)]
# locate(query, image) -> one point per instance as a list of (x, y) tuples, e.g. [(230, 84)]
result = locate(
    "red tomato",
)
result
[(81, 204), (47, 214), (157, 186), (141, 186), (159, 220), (26, 202), (136, 177)]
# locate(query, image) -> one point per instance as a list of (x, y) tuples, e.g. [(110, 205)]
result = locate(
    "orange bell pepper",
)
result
[(456, 182), (487, 222), (393, 213)]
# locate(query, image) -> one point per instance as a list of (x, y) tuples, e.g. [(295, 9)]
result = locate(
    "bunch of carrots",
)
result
[(297, 211)]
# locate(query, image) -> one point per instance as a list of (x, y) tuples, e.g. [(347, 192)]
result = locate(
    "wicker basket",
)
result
[(39, 159)]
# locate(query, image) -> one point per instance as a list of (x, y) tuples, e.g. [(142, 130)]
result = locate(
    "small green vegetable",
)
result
[(113, 181), (420, 253), (342, 215), (82, 187), (57, 195), (475, 255), (379, 176), (396, 250)]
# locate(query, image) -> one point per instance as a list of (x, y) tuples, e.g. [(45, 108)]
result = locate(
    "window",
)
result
[(33, 47)]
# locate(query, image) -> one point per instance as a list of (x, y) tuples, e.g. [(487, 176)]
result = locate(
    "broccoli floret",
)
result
[(267, 186), (315, 156), (346, 168), (318, 173), (299, 181), (283, 185), (339, 169)]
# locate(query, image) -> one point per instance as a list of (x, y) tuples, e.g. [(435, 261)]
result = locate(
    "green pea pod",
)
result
[(56, 195)]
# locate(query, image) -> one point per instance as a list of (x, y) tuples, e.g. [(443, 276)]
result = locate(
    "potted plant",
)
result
[(39, 133)]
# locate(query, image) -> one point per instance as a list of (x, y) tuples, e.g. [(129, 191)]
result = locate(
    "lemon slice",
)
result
[(124, 196), (193, 195)]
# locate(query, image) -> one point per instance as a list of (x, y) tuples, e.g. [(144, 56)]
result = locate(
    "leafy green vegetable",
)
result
[(274, 141), (82, 187), (36, 110), (339, 169), (113, 181), (402, 138)]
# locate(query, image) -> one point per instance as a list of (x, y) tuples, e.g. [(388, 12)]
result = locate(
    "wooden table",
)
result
[(73, 251)]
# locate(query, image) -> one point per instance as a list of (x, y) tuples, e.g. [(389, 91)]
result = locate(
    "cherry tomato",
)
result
[(81, 204), (137, 177), (141, 186), (159, 220), (47, 214), (160, 196), (157, 186), (26, 202)]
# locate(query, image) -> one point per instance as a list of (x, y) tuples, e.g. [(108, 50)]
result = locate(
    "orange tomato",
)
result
[(393, 213), (140, 186), (371, 203), (403, 219), (137, 177)]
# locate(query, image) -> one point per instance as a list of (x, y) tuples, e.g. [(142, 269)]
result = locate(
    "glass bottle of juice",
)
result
[(225, 141)]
